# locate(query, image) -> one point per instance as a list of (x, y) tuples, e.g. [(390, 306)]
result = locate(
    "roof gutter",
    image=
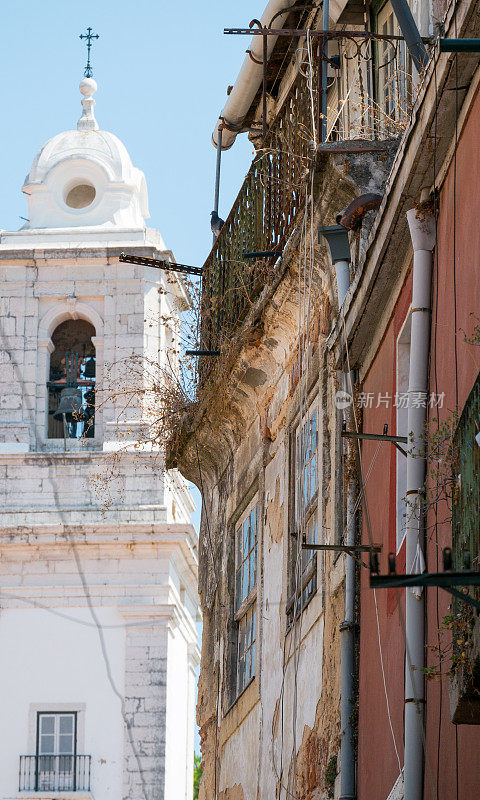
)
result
[(249, 78)]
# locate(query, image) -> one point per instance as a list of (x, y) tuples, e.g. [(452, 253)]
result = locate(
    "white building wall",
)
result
[(48, 662)]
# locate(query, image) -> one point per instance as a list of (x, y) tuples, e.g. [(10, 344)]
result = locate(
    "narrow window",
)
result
[(246, 546), (393, 73), (71, 382), (304, 471), (401, 402)]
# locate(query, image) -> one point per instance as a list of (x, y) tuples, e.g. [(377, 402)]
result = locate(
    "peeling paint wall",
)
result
[(285, 726)]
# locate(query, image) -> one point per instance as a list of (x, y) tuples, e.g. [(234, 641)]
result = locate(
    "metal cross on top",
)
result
[(89, 36)]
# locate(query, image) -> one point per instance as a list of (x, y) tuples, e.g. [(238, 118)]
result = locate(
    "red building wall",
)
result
[(458, 227)]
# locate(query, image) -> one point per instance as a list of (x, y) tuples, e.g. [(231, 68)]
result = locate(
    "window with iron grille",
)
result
[(304, 512), (56, 765), (245, 605), (56, 748)]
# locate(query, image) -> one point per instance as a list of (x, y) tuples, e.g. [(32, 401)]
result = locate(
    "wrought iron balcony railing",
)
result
[(368, 98), (62, 773)]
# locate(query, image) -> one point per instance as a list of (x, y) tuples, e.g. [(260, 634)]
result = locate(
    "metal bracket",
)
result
[(160, 264), (202, 352), (444, 580), (344, 548), (301, 33), (262, 254), (383, 437)]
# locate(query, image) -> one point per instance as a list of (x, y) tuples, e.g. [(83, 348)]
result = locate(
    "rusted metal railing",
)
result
[(261, 219), (368, 99)]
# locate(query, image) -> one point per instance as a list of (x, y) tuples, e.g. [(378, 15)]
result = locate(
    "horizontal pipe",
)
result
[(249, 78), (459, 45)]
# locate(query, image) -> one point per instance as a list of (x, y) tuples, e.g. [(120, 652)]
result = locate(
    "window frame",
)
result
[(380, 16), (56, 758), (248, 603), (57, 715), (308, 583)]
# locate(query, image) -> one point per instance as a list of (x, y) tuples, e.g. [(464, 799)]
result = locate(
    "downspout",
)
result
[(338, 242), (422, 232), (249, 78)]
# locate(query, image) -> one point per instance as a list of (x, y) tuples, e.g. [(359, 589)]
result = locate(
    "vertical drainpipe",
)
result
[(337, 239), (217, 173), (422, 232)]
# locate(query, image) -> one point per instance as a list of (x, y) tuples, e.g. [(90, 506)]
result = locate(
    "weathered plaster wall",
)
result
[(242, 428)]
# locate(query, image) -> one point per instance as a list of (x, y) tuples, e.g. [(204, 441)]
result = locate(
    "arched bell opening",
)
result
[(71, 381)]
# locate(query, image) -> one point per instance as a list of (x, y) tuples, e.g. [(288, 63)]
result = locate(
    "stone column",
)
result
[(98, 344), (145, 701), (45, 348)]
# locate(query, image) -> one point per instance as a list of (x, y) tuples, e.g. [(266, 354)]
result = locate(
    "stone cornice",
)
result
[(171, 615), (91, 252)]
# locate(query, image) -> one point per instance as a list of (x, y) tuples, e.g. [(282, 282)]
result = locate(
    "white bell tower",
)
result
[(98, 588)]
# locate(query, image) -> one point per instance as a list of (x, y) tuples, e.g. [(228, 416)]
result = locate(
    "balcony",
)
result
[(62, 773), (368, 100), (465, 683)]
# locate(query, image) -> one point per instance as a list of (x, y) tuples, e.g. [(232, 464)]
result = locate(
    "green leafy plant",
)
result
[(197, 774), (453, 648), (331, 772)]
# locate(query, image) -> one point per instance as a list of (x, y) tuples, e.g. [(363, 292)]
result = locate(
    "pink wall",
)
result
[(378, 766)]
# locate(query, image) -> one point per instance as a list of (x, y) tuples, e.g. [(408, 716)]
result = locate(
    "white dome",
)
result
[(99, 146), (85, 178)]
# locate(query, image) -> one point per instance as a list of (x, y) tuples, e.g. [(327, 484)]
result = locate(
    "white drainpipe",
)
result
[(249, 78), (422, 232)]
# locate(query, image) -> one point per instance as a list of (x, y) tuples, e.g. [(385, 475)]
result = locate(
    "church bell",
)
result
[(70, 404), (89, 371)]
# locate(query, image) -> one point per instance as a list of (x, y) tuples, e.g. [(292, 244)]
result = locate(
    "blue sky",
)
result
[(162, 70)]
